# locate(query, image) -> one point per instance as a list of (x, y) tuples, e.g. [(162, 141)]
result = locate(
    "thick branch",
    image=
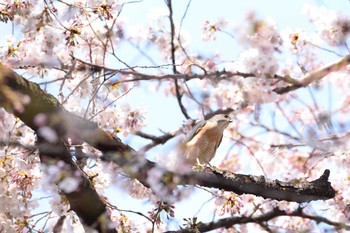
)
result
[(297, 191), (85, 193), (44, 103)]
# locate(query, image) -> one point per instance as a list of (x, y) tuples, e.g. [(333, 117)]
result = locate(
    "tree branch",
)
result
[(45, 104), (309, 78), (231, 221), (173, 60), (137, 76), (297, 191), (312, 76), (156, 140)]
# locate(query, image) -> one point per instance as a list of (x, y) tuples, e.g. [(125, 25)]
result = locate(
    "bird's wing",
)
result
[(219, 141), (194, 131)]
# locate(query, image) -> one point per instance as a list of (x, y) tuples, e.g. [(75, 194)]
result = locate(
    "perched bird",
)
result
[(202, 142)]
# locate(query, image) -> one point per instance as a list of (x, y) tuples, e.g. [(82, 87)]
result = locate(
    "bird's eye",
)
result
[(226, 116)]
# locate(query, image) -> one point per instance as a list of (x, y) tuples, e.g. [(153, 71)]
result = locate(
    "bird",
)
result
[(203, 140)]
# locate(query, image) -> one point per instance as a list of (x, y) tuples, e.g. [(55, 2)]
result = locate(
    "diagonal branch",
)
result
[(156, 140), (312, 76), (50, 110)]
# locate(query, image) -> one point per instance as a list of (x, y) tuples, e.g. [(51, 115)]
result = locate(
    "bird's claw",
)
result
[(201, 166)]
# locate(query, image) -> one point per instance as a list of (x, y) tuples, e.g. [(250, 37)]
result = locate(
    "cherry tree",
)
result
[(74, 78)]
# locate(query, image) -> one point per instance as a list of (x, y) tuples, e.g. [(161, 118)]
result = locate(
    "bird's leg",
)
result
[(201, 166), (198, 166)]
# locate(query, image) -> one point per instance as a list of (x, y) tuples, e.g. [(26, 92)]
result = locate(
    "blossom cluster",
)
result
[(20, 174)]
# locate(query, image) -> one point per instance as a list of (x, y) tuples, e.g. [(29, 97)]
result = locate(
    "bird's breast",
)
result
[(203, 145)]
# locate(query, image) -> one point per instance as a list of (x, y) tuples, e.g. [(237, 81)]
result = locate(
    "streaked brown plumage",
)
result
[(202, 142)]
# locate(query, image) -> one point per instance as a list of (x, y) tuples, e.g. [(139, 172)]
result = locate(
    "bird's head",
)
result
[(222, 120)]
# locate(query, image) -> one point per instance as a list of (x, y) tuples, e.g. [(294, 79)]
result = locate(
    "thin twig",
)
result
[(173, 60)]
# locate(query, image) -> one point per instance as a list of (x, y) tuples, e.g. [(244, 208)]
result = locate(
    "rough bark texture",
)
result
[(297, 191), (67, 124)]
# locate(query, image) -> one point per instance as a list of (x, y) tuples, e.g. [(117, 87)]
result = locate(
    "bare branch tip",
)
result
[(325, 175)]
